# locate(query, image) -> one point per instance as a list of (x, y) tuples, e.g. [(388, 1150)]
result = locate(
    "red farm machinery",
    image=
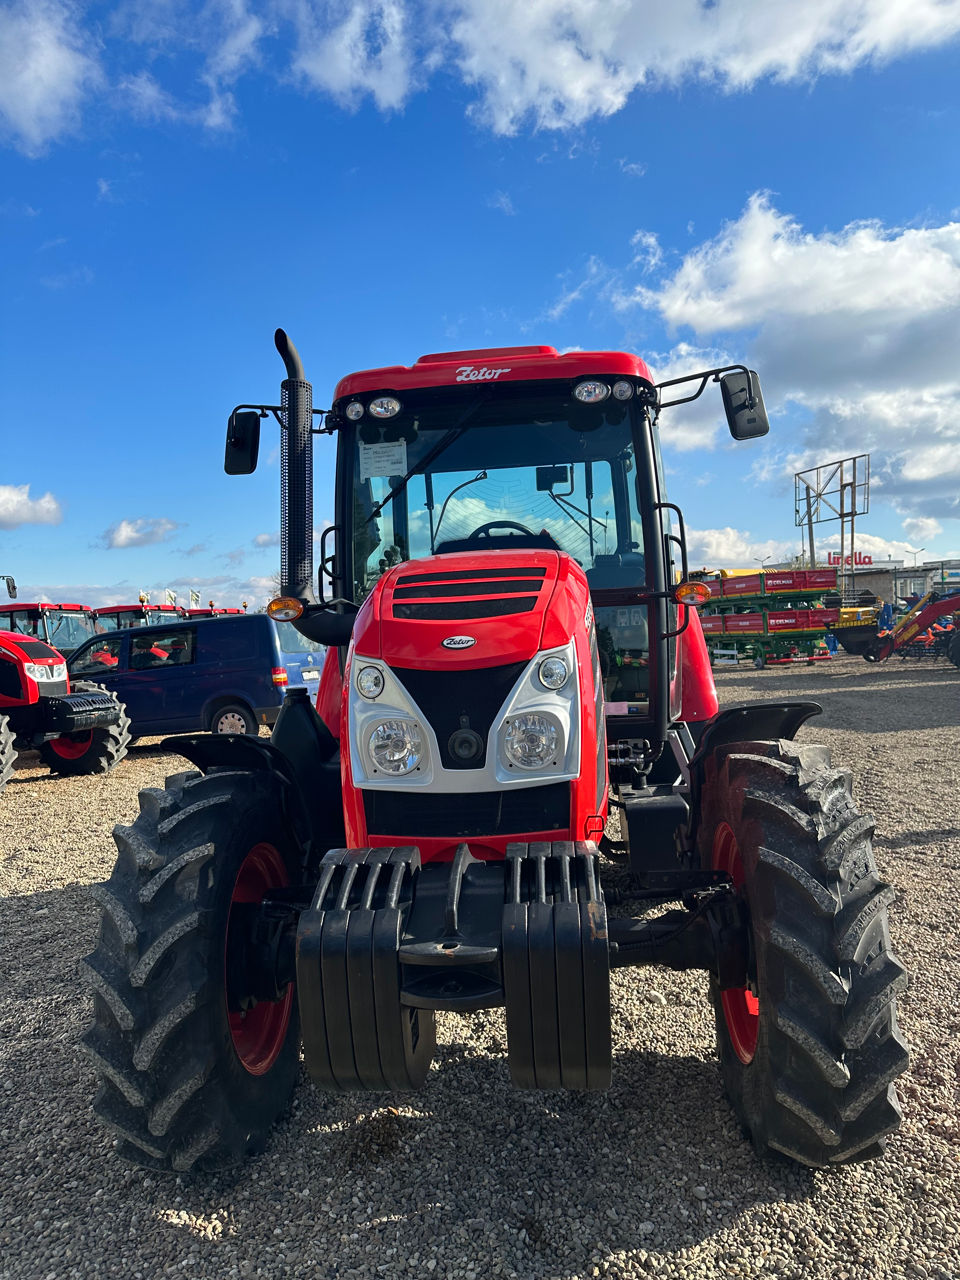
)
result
[(78, 729), (62, 626), (513, 656), (928, 630)]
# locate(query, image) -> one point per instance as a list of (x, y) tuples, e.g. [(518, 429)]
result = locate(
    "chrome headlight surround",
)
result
[(41, 673), (533, 708)]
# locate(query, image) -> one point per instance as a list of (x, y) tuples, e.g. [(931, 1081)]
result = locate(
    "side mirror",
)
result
[(743, 405), (243, 442), (11, 587)]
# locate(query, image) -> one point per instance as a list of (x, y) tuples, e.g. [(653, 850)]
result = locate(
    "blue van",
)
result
[(225, 675)]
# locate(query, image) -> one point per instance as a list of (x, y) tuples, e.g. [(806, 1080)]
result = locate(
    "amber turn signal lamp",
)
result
[(692, 593), (285, 608)]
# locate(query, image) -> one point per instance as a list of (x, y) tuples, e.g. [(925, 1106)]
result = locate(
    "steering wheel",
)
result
[(484, 530)]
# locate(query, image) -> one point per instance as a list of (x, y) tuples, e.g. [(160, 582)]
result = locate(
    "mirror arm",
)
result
[(705, 376)]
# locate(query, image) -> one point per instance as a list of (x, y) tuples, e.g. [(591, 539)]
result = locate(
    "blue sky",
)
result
[(696, 182)]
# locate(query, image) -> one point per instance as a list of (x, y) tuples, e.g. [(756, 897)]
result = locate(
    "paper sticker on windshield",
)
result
[(383, 459)]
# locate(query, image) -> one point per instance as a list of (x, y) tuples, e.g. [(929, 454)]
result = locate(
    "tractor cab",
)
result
[(119, 617), (62, 626)]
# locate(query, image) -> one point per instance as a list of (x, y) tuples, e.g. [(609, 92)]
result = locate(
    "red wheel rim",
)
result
[(258, 1033), (72, 747), (741, 1008)]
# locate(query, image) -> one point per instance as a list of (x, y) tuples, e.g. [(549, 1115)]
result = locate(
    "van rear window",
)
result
[(291, 641)]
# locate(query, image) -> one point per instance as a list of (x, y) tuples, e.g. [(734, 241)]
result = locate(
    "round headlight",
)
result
[(354, 410), (384, 407), (530, 740), (370, 682), (591, 392), (553, 673), (622, 390), (396, 746)]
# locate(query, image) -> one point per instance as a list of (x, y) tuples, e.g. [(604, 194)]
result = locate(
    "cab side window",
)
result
[(99, 658)]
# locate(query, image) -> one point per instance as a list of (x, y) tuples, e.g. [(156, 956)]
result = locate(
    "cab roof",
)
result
[(18, 606), (493, 364)]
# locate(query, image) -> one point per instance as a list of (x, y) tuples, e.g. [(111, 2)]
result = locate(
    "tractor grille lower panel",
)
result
[(455, 699), (470, 814)]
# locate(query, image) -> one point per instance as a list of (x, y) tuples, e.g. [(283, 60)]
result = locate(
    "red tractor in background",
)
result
[(118, 617), (63, 627), (513, 659)]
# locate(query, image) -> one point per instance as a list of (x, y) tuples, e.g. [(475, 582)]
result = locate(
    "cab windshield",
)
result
[(67, 630), (498, 472)]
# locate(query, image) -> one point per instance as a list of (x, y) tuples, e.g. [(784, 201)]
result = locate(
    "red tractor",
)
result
[(77, 729), (514, 660), (63, 627)]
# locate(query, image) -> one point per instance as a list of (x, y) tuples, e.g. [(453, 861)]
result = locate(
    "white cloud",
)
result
[(857, 328), (563, 62), (550, 64), (922, 528), (730, 548), (352, 48), (48, 67), (267, 540), (139, 533), (501, 200), (17, 507)]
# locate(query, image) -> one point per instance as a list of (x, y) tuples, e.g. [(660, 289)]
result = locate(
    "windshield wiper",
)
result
[(455, 432)]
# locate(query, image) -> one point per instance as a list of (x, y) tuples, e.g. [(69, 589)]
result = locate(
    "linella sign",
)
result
[(470, 373), (833, 557)]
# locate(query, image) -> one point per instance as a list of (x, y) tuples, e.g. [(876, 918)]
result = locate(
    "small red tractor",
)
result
[(77, 729), (517, 691)]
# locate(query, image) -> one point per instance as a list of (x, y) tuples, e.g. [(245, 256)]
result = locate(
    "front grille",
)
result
[(467, 593), (465, 815), (457, 699), (466, 609)]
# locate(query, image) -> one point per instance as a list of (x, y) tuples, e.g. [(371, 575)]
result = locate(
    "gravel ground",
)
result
[(471, 1178)]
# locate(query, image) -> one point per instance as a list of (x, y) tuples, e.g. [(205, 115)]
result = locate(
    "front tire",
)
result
[(93, 751), (810, 1049), (8, 752), (186, 1082)]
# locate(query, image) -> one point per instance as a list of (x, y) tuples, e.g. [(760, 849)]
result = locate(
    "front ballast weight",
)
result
[(389, 941)]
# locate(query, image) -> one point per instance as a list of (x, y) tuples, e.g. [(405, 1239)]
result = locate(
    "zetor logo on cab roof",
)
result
[(470, 373)]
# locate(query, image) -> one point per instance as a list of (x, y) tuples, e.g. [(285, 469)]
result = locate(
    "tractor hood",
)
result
[(472, 609)]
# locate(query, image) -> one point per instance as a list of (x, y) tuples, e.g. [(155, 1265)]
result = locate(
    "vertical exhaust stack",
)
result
[(296, 477)]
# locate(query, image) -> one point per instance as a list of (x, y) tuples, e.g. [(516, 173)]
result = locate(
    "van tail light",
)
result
[(279, 675)]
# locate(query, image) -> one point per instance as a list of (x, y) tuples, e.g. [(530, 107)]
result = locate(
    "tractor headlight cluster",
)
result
[(380, 407), (531, 739), (396, 746), (595, 391), (41, 673)]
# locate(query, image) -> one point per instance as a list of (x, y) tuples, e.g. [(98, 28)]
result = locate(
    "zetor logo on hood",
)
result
[(470, 373), (458, 642)]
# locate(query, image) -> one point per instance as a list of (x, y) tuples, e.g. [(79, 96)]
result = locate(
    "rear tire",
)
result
[(184, 1082), (234, 718), (94, 751), (953, 649), (8, 752), (809, 1051)]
